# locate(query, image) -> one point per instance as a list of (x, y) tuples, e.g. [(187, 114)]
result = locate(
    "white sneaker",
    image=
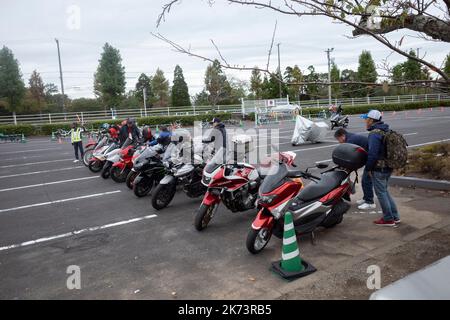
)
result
[(76, 160), (367, 206), (360, 201)]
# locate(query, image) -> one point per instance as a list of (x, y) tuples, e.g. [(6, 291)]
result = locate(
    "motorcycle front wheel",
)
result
[(106, 172), (142, 188), (87, 155), (130, 178), (119, 175), (95, 165), (203, 216), (258, 239), (163, 195)]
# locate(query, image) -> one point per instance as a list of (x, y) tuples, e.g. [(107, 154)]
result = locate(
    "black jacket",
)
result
[(218, 135), (125, 131)]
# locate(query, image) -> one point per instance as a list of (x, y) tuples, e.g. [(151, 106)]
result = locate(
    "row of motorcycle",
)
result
[(273, 187)]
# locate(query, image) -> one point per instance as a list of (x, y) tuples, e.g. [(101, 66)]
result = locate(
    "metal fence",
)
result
[(245, 107)]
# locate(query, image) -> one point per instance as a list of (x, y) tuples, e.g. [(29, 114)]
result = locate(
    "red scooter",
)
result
[(236, 185), (320, 203)]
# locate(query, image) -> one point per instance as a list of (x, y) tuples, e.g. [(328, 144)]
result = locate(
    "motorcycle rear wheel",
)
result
[(163, 195), (258, 239), (203, 216)]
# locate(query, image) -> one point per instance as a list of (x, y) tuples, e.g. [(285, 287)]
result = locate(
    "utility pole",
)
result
[(329, 74), (279, 68), (144, 92), (61, 78)]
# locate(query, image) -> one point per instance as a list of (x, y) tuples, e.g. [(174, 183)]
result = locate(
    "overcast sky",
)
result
[(243, 33)]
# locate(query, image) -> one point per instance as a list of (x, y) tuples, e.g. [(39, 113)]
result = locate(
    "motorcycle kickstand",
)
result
[(313, 238)]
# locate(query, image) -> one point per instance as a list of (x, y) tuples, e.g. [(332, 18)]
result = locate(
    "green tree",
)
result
[(447, 65), (292, 76), (37, 89), (109, 80), (215, 83), (335, 75), (366, 72), (412, 69), (201, 98), (312, 89), (349, 90), (12, 87), (180, 90), (256, 83), (160, 86), (144, 82)]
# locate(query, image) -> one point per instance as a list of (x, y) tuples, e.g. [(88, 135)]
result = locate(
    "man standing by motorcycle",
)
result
[(378, 169), (75, 138), (130, 130), (343, 136), (218, 135)]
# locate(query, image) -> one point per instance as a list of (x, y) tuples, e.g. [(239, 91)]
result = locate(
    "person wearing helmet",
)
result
[(147, 135), (130, 130), (218, 135), (163, 137)]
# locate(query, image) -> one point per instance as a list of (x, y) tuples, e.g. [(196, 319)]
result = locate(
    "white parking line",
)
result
[(32, 163), (76, 232), (42, 171), (59, 201), (47, 183), (29, 157), (33, 150)]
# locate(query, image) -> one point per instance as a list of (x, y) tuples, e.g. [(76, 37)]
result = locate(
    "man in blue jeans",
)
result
[(343, 136), (378, 170)]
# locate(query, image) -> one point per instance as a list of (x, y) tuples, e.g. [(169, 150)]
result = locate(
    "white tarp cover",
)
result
[(307, 130)]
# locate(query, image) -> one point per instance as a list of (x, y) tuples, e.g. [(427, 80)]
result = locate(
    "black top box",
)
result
[(349, 156)]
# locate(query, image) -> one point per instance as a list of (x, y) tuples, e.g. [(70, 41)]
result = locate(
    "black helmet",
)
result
[(146, 133)]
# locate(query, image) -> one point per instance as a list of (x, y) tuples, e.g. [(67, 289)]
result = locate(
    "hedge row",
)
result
[(360, 109), (47, 129)]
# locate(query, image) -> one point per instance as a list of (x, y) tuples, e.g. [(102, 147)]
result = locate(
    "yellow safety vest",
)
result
[(76, 135)]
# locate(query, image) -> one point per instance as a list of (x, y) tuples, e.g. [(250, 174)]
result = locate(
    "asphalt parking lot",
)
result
[(54, 213)]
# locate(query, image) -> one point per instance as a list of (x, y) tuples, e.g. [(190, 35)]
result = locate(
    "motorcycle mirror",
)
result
[(321, 165)]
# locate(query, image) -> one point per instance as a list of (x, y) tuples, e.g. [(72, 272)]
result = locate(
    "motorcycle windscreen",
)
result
[(214, 163), (127, 142), (102, 142), (146, 154), (274, 179)]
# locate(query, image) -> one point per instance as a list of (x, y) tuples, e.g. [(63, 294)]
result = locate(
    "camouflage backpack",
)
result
[(395, 149)]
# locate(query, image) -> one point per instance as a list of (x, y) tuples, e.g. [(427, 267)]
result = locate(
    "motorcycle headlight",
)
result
[(206, 180), (267, 199)]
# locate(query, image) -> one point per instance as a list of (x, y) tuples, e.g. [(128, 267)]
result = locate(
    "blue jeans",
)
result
[(367, 187), (380, 182)]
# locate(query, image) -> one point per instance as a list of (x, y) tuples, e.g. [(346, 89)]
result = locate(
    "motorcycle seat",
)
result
[(328, 181)]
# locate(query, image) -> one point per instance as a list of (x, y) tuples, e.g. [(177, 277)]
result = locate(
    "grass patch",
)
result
[(431, 162)]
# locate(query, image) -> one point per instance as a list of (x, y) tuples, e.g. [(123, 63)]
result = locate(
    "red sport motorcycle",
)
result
[(320, 203), (236, 185), (120, 169)]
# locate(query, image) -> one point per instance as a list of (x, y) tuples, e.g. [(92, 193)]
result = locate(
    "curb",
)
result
[(420, 183)]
